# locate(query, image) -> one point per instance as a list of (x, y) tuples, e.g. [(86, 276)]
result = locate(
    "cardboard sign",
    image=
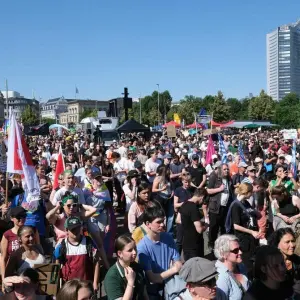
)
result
[(171, 131), (207, 132), (290, 134), (48, 277)]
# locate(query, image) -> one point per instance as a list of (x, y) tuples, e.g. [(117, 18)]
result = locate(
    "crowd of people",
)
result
[(195, 227)]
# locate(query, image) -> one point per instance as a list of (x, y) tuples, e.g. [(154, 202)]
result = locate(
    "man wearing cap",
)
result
[(239, 177), (141, 173), (200, 275), (75, 253), (281, 162), (251, 172)]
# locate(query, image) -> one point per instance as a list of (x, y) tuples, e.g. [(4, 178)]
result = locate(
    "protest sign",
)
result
[(289, 134), (171, 131), (48, 277)]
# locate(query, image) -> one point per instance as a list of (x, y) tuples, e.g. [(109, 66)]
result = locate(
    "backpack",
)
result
[(63, 250)]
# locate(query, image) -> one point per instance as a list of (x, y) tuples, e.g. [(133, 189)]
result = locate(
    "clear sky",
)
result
[(190, 47)]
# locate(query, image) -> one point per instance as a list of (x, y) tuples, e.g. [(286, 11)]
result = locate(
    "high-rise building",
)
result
[(283, 61)]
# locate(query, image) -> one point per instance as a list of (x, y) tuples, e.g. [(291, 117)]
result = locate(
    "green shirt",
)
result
[(115, 282), (288, 184)]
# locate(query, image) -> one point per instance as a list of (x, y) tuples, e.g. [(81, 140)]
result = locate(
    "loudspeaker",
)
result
[(127, 103)]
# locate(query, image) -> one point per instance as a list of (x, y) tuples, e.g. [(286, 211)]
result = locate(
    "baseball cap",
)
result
[(137, 164), (251, 168), (195, 156), (242, 165), (133, 173), (198, 269), (96, 174), (72, 222), (17, 211), (169, 156)]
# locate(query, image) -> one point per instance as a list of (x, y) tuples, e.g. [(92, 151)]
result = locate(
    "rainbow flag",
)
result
[(6, 126)]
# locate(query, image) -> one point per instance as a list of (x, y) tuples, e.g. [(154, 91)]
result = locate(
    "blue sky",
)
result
[(190, 47)]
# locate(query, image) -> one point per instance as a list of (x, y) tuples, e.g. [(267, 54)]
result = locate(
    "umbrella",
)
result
[(58, 126), (172, 123), (87, 120)]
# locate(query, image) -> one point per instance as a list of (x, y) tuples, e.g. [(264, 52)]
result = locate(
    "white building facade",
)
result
[(53, 107), (283, 61)]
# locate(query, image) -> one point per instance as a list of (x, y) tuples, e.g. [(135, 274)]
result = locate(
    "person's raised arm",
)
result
[(52, 215), (4, 256)]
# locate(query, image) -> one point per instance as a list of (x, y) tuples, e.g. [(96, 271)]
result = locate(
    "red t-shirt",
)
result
[(13, 241)]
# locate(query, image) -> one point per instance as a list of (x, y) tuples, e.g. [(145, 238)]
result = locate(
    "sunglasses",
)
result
[(236, 250), (72, 205)]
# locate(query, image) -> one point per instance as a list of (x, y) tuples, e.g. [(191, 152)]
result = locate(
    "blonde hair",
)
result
[(244, 189)]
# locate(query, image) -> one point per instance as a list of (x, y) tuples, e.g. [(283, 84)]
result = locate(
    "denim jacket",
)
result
[(228, 284)]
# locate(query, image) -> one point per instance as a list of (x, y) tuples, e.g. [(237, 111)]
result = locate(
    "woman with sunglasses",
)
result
[(269, 274), (69, 206), (232, 279), (10, 240)]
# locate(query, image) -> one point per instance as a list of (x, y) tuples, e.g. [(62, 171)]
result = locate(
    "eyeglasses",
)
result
[(72, 205), (208, 284), (235, 251)]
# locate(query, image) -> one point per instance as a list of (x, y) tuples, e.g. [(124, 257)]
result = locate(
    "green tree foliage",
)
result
[(287, 113), (50, 121), (88, 113), (235, 108), (188, 107), (29, 117), (261, 107), (220, 109)]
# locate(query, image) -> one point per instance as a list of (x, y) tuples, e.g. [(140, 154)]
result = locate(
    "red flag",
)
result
[(210, 151), (60, 167)]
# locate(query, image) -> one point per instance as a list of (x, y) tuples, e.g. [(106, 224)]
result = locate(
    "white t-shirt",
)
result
[(151, 166), (121, 165), (123, 151), (61, 192), (130, 165), (225, 193), (127, 191)]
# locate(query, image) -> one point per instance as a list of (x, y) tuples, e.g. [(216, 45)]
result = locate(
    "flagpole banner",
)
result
[(210, 151), (19, 161), (223, 152), (60, 167)]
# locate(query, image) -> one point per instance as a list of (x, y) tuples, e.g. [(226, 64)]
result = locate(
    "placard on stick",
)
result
[(171, 131), (48, 277)]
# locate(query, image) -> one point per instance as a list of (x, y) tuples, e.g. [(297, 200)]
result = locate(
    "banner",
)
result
[(289, 134), (177, 118)]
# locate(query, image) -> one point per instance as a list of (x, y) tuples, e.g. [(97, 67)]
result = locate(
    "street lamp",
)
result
[(158, 116)]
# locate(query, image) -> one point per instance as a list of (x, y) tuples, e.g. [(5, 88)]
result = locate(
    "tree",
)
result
[(220, 109), (235, 108), (87, 113), (188, 107), (207, 102), (29, 117), (261, 107), (287, 112), (50, 121)]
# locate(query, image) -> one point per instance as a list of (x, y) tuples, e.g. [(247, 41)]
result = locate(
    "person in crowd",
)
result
[(120, 173), (181, 195), (260, 168), (125, 279), (251, 172), (123, 149), (286, 208), (234, 166), (130, 188), (45, 183), (193, 244), (76, 289), (53, 192), (28, 254), (70, 159), (51, 174), (87, 182), (142, 157), (68, 187), (10, 239), (137, 208), (220, 192), (232, 276), (162, 192), (107, 171), (197, 172), (270, 162), (285, 178), (26, 286), (269, 274), (75, 254), (151, 166), (176, 168), (139, 168), (240, 175), (157, 252), (99, 198), (242, 221), (284, 239), (130, 161), (200, 277)]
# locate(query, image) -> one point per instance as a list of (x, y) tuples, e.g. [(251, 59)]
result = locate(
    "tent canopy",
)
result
[(172, 123), (132, 126)]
